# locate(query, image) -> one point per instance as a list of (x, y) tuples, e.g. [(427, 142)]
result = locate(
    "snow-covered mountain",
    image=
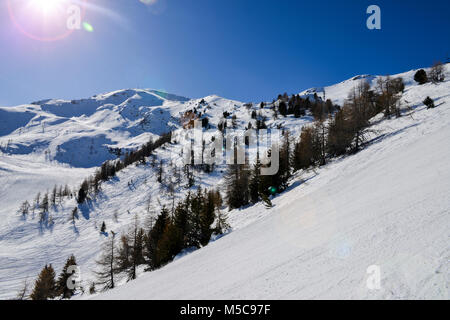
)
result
[(385, 206), (82, 132)]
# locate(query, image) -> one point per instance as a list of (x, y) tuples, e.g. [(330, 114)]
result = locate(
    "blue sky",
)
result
[(241, 49)]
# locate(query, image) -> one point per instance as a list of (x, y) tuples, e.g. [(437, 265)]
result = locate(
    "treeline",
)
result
[(298, 106), (109, 169), (344, 130), (92, 184)]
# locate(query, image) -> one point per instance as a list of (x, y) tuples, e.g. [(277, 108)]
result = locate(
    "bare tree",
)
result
[(24, 208), (436, 73), (24, 291), (107, 264)]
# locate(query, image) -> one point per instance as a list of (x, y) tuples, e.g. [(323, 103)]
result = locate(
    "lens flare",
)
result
[(43, 20), (88, 27), (47, 6)]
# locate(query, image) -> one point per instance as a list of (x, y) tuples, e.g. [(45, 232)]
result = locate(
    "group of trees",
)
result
[(47, 286), (297, 106), (347, 130), (109, 169), (47, 200), (435, 75), (190, 224), (245, 183), (335, 132)]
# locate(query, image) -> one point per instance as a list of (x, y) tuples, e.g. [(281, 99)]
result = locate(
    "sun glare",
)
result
[(46, 6)]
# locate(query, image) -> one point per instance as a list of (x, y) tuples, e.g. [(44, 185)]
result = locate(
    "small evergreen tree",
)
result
[(103, 227), (61, 284), (154, 236), (282, 108), (421, 77), (429, 103), (45, 286)]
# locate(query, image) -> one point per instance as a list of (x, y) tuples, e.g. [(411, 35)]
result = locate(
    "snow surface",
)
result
[(387, 205)]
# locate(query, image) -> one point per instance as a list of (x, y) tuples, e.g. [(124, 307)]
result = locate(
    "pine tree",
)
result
[(103, 227), (279, 181), (303, 151), (154, 236), (135, 249), (319, 142), (82, 192), (61, 284), (44, 203), (124, 253), (45, 285), (237, 194), (53, 196), (207, 218), (429, 103), (169, 244), (358, 113), (92, 289), (421, 77), (255, 182), (181, 220), (282, 108), (339, 135)]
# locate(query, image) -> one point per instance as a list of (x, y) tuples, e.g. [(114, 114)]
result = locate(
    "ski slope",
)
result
[(386, 206)]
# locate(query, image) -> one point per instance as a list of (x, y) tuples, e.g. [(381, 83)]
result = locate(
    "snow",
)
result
[(386, 206)]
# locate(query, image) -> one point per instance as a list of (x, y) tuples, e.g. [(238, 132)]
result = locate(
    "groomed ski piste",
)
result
[(386, 206)]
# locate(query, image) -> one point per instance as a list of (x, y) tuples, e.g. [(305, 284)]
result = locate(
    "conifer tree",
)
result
[(255, 182), (303, 151), (44, 203), (103, 227), (154, 236), (429, 103), (45, 285), (181, 220), (421, 77), (61, 284), (136, 257), (339, 135), (207, 218), (123, 254), (282, 108)]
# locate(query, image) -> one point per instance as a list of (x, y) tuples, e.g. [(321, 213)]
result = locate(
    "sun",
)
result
[(47, 6)]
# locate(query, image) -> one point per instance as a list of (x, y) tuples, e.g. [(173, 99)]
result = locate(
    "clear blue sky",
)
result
[(250, 50)]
